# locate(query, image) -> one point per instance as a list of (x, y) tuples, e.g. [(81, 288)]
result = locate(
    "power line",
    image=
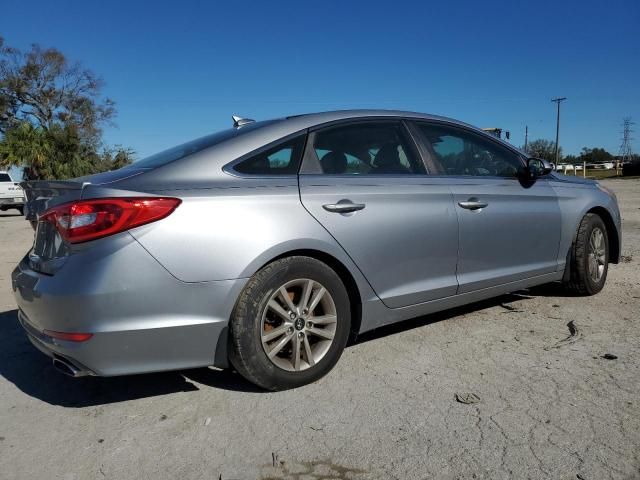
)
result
[(558, 101)]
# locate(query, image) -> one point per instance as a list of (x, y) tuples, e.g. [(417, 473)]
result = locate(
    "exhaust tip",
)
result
[(66, 367)]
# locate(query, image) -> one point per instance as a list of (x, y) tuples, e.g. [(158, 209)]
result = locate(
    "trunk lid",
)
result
[(41, 195), (49, 249)]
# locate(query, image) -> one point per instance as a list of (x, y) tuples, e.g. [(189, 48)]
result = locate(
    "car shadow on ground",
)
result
[(555, 289), (32, 372), (506, 301)]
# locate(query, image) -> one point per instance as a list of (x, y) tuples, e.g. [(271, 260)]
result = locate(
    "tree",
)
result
[(116, 157), (41, 86), (57, 153), (52, 114), (595, 155), (25, 142), (545, 149)]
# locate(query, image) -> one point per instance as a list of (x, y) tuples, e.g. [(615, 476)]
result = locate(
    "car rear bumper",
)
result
[(142, 318), (11, 202)]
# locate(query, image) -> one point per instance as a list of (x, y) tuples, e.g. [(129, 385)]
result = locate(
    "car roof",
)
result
[(279, 128), (308, 120), (251, 136)]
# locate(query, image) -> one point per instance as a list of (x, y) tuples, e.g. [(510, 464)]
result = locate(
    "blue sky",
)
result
[(179, 70)]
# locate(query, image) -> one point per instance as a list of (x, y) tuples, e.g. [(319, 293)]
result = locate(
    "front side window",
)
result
[(282, 159), (459, 152), (367, 148)]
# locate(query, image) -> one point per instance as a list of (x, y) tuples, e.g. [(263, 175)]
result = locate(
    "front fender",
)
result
[(576, 200)]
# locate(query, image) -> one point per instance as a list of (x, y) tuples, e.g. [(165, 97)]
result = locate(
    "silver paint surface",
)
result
[(160, 296)]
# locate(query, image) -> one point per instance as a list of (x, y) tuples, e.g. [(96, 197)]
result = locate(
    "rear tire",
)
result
[(589, 257), (290, 324)]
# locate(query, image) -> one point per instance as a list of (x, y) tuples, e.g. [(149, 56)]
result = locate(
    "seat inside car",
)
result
[(387, 160), (334, 163)]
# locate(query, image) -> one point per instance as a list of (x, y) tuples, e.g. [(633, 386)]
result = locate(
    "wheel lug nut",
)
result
[(309, 324), (300, 335), (292, 315), (290, 330), (305, 311)]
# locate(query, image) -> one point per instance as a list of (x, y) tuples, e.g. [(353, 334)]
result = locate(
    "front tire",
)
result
[(290, 324), (589, 257)]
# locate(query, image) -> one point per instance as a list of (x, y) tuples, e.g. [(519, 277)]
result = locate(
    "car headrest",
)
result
[(334, 163), (387, 156)]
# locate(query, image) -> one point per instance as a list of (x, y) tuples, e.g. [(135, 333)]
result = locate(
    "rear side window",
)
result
[(4, 177), (367, 148), (282, 159)]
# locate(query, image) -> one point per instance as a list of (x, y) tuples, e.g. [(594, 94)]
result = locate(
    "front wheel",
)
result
[(589, 257), (290, 324)]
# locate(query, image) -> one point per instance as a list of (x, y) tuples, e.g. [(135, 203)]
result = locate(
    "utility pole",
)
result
[(526, 137), (558, 101), (625, 147)]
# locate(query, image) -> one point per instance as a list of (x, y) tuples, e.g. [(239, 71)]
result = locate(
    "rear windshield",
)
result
[(4, 177), (194, 146)]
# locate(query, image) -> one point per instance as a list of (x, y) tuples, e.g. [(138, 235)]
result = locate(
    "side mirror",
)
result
[(538, 167)]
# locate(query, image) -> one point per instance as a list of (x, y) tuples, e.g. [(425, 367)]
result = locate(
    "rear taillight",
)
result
[(86, 220), (69, 337)]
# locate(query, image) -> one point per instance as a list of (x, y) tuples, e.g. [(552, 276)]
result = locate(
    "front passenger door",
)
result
[(509, 229)]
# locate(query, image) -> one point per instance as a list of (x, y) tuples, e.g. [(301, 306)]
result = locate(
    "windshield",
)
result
[(194, 146)]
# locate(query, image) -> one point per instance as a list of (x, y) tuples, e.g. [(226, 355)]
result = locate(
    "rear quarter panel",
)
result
[(229, 233)]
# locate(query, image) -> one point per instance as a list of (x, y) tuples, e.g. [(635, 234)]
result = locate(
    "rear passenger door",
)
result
[(366, 184), (509, 228)]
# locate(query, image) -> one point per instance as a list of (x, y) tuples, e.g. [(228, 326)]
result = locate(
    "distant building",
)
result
[(497, 132)]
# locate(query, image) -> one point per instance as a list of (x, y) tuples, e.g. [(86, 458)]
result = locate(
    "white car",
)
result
[(11, 193), (564, 167)]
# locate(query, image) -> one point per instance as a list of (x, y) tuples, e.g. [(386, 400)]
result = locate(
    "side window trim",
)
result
[(229, 168), (419, 146), (310, 164), (414, 126)]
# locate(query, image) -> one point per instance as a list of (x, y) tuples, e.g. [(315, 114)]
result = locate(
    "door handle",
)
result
[(343, 207), (473, 204)]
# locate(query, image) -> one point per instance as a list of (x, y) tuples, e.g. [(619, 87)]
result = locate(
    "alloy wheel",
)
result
[(597, 255), (298, 324)]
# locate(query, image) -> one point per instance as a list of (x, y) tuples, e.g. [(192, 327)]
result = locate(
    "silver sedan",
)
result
[(267, 246)]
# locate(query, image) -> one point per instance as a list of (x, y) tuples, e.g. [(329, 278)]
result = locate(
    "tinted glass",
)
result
[(366, 149), (194, 146), (4, 177), (455, 151), (283, 159)]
